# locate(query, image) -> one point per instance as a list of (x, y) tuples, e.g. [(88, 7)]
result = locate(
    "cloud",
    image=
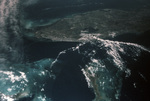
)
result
[(30, 2)]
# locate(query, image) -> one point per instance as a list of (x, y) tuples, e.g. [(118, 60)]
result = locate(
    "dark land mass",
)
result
[(100, 23)]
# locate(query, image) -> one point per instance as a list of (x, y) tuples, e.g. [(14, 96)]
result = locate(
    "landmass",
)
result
[(100, 23)]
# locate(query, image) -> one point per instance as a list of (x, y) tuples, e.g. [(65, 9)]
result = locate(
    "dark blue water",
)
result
[(140, 90), (35, 50), (70, 84)]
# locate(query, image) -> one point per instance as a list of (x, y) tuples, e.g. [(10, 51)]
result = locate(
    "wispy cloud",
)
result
[(30, 2)]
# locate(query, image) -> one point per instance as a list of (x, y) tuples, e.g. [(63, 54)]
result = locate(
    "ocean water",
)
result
[(95, 70)]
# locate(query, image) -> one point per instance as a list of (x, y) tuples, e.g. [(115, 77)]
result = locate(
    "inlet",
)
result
[(70, 83)]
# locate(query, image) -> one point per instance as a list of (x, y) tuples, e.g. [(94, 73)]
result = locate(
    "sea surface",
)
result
[(98, 69)]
